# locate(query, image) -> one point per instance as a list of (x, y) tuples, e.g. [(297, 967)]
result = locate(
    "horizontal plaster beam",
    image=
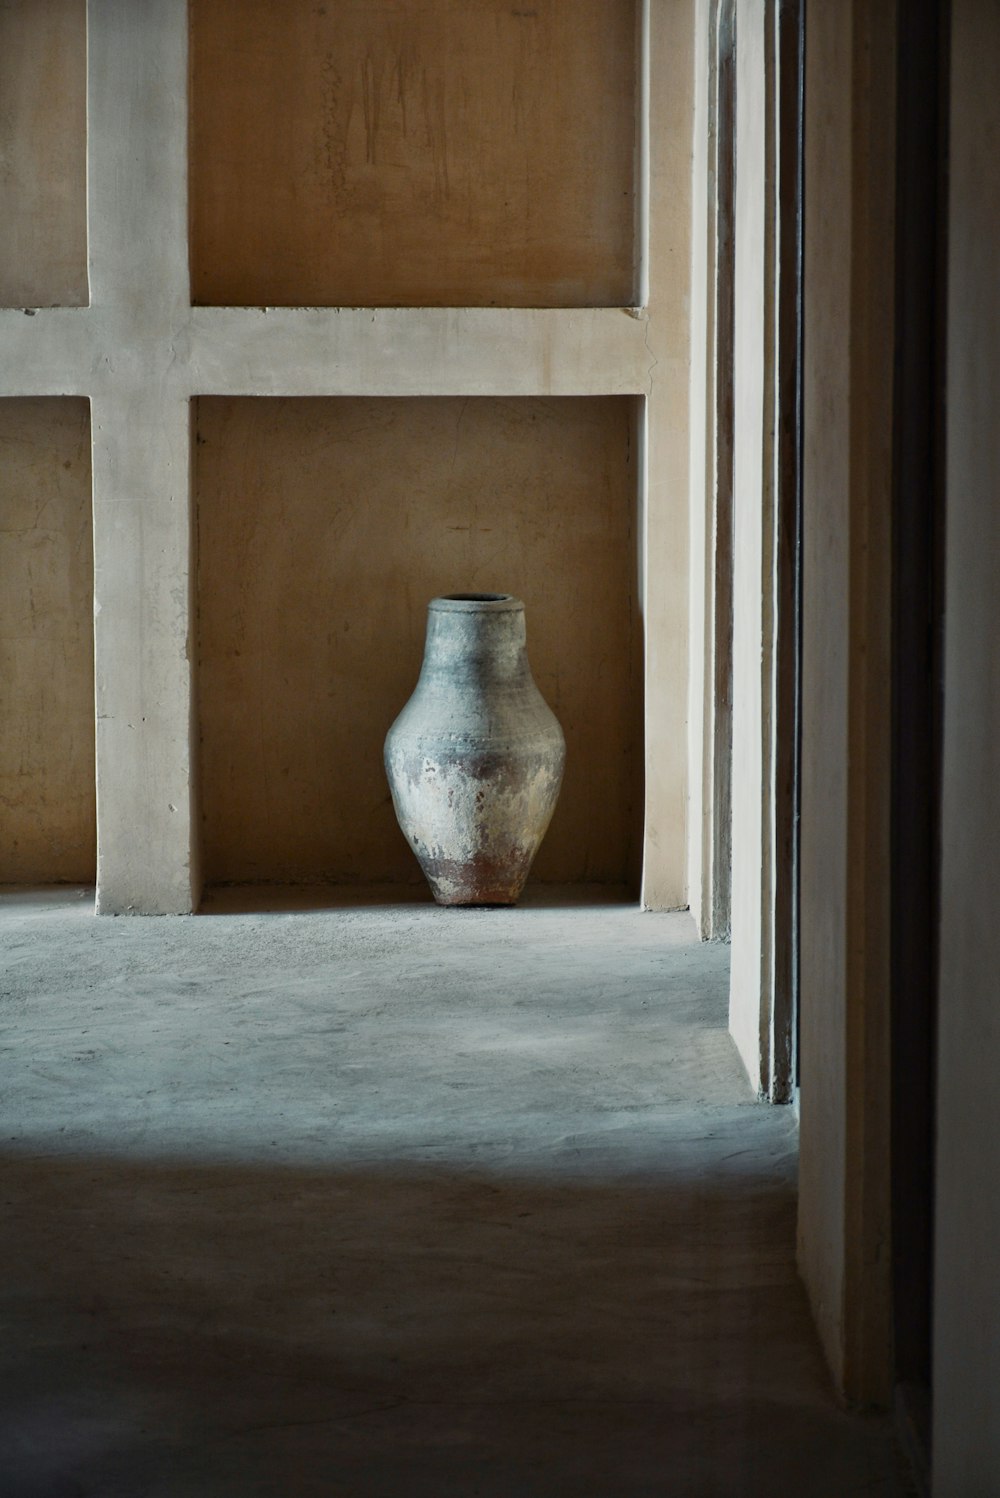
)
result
[(417, 351), (290, 351)]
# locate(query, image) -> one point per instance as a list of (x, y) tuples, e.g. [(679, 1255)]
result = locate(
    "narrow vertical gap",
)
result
[(787, 560), (641, 229), (706, 683), (800, 199), (724, 420), (636, 461), (89, 207), (641, 414), (194, 636), (916, 696)]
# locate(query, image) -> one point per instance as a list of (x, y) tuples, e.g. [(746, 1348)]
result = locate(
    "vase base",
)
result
[(484, 904), (479, 882)]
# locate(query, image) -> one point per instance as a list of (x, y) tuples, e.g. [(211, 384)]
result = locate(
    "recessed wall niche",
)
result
[(46, 643), (324, 527), (424, 153), (43, 148)]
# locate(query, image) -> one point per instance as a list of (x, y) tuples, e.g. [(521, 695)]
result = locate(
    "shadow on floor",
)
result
[(215, 1331), (261, 899)]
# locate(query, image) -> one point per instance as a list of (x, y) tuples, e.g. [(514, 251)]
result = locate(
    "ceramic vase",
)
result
[(475, 759)]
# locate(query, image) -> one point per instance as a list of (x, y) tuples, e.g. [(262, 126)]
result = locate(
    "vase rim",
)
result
[(475, 603)]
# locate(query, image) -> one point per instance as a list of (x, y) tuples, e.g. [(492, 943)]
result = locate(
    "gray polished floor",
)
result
[(392, 1200)]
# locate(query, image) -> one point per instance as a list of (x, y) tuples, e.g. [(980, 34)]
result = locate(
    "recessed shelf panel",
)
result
[(43, 149), (46, 643), (324, 527), (426, 153)]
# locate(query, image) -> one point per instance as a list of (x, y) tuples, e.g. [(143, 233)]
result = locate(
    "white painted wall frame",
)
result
[(140, 352)]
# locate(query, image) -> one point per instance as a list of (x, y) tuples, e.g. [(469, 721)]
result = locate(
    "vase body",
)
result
[(475, 759)]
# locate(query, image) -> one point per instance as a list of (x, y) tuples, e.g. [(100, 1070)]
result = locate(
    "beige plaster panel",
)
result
[(46, 643), (325, 525), (422, 154), (844, 873), (43, 171)]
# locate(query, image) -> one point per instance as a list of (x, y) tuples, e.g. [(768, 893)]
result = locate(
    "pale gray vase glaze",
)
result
[(475, 759)]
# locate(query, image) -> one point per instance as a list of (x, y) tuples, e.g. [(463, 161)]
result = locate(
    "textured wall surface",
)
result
[(43, 142), (46, 643), (967, 1292), (844, 853), (325, 526), (426, 154)]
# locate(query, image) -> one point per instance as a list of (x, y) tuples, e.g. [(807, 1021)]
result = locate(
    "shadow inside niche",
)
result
[(262, 899), (200, 1330)]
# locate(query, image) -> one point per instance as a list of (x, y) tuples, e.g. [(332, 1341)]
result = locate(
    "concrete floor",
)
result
[(397, 1201)]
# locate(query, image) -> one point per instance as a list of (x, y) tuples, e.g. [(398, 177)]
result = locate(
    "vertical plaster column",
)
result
[(753, 584), (668, 340), (137, 210)]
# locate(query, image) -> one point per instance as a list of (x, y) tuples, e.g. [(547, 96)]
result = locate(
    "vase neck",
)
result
[(476, 645)]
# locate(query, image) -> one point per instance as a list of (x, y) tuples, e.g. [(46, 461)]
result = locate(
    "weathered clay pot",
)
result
[(475, 759)]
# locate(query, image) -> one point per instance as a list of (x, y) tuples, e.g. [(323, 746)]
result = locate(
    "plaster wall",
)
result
[(750, 507), (46, 643), (325, 526), (427, 154), (43, 144), (966, 1369), (843, 1054), (140, 352)]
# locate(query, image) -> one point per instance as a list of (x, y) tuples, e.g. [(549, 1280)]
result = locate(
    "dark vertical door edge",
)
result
[(725, 434), (800, 261), (918, 460), (787, 557)]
